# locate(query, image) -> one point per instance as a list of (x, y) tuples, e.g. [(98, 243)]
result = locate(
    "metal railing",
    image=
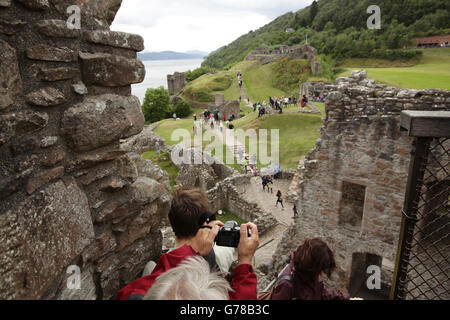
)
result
[(423, 262)]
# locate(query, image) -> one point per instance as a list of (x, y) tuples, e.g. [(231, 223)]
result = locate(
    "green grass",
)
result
[(228, 216), (167, 127), (258, 83), (164, 162), (298, 134), (433, 71)]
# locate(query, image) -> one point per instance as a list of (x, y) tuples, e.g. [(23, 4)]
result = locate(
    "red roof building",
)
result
[(436, 41)]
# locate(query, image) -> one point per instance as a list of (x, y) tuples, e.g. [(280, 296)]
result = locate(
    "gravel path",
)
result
[(266, 201)]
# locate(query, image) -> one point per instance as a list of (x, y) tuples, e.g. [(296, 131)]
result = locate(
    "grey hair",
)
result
[(191, 280)]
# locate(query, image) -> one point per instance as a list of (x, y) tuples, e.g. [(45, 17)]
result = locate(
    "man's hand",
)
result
[(248, 245), (203, 242)]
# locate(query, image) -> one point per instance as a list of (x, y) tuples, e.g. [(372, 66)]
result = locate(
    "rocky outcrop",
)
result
[(70, 199), (145, 141), (198, 169)]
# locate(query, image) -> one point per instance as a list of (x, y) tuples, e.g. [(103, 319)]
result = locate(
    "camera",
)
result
[(229, 235)]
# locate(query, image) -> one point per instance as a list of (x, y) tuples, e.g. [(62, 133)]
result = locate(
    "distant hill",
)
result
[(338, 28), (171, 55)]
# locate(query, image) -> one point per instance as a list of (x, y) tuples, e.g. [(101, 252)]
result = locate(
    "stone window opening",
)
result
[(351, 210)]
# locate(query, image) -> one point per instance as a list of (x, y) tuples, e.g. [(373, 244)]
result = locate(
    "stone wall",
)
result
[(266, 56), (225, 195), (227, 108), (361, 143), (176, 82), (68, 194)]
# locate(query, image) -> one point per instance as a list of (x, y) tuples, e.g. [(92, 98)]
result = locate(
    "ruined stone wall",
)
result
[(227, 108), (68, 194), (226, 195), (176, 82), (295, 52), (361, 144)]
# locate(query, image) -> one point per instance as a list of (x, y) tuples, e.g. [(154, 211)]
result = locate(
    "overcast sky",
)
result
[(206, 25)]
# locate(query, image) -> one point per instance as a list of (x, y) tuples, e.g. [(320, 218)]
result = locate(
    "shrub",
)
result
[(156, 105), (182, 109)]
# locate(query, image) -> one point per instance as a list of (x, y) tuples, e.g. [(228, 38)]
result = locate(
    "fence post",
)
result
[(409, 219)]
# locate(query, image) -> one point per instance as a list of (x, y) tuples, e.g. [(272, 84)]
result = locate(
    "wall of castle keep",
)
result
[(176, 82), (68, 194), (361, 146)]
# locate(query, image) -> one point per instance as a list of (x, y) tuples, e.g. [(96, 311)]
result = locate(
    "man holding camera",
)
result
[(196, 231)]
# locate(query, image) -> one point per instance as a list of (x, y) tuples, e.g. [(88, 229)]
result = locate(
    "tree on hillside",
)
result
[(156, 105), (314, 10), (183, 109)]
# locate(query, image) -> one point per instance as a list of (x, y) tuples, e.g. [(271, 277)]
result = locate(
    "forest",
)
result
[(338, 28)]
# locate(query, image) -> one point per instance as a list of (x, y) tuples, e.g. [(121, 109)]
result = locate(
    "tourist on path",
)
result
[(280, 199), (270, 185), (295, 211), (175, 117)]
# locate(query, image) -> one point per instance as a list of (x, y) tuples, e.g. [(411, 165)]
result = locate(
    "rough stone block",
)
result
[(46, 97), (116, 39), (101, 120), (47, 53), (86, 292), (10, 26), (56, 28), (57, 74), (40, 236), (42, 178), (10, 81), (111, 70), (36, 4), (17, 124), (5, 3)]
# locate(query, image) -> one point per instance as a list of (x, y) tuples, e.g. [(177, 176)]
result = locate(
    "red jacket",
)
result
[(304, 290), (244, 281)]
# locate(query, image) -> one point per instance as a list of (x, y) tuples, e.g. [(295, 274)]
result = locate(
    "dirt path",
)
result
[(266, 201)]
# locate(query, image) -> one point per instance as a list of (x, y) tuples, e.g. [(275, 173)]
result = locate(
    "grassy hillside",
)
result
[(433, 71), (339, 28), (298, 134)]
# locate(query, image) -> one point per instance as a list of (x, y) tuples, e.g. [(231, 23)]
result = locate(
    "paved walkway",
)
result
[(266, 201)]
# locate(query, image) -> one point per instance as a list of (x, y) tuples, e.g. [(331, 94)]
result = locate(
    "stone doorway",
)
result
[(359, 276)]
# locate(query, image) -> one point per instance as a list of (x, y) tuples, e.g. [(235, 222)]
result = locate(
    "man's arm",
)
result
[(244, 281)]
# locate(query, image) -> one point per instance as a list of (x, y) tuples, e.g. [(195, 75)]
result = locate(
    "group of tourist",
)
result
[(200, 270), (215, 119)]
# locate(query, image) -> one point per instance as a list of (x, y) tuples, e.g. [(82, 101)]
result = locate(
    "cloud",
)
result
[(197, 24)]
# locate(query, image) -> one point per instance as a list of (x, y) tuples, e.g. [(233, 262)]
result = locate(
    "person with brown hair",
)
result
[(195, 231), (302, 280)]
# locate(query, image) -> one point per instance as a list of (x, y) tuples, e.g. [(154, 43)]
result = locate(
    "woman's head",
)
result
[(312, 258)]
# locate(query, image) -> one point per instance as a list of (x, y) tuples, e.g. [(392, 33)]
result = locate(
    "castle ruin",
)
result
[(176, 82), (350, 189), (266, 56)]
